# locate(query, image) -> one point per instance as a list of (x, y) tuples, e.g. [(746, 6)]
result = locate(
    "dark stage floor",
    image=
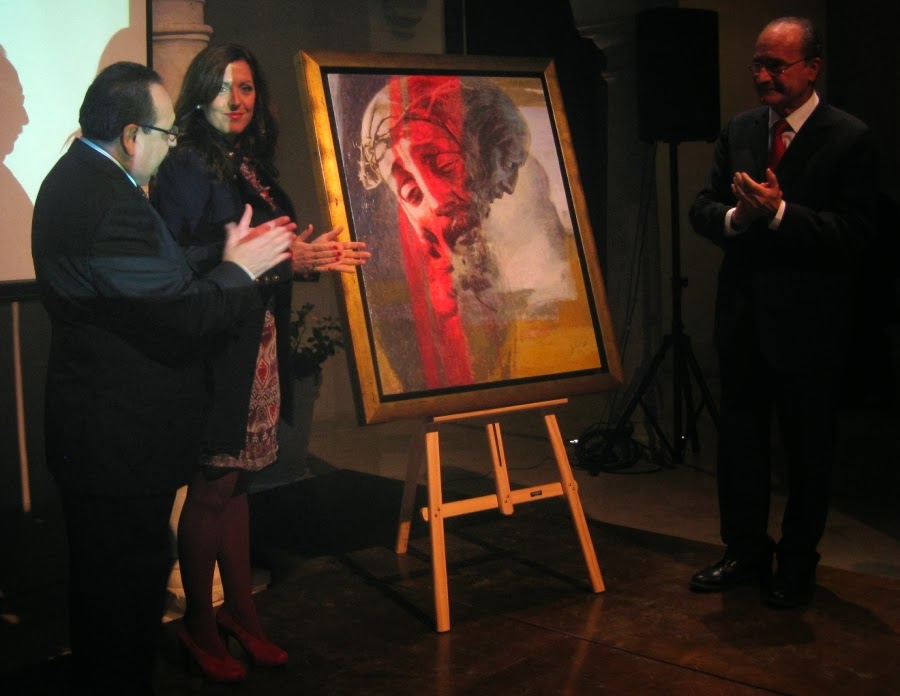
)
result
[(358, 619)]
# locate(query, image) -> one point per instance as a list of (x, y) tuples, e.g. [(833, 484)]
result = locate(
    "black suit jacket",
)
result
[(125, 389), (792, 283), (196, 208)]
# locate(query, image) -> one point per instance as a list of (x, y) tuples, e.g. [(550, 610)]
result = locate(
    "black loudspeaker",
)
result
[(677, 74)]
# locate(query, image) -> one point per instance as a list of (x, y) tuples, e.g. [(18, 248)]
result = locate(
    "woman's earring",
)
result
[(198, 107)]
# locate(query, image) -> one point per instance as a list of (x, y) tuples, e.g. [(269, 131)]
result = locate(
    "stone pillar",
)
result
[(179, 34)]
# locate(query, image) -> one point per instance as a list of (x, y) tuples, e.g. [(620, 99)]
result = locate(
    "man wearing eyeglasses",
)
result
[(790, 200), (125, 384)]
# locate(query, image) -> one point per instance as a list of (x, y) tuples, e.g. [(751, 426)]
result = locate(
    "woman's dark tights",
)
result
[(215, 527)]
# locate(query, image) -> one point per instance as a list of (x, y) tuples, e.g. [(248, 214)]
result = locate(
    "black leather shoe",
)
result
[(793, 585), (731, 572)]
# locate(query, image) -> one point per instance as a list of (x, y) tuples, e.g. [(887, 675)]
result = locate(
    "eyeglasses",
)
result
[(171, 134), (773, 68)]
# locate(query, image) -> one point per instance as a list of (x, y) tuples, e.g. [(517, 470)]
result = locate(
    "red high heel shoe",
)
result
[(262, 652), (222, 670)]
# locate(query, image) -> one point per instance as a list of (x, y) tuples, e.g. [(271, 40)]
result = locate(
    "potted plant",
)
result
[(314, 339)]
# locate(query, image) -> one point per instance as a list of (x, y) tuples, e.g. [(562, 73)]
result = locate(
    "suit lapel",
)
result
[(760, 144), (807, 141)]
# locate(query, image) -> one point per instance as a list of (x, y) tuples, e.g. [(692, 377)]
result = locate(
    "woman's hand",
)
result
[(326, 253)]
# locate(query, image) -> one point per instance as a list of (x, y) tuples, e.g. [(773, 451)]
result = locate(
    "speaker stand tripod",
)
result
[(685, 367)]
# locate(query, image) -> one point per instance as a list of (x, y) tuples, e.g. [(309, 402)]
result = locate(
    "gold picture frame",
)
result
[(484, 289)]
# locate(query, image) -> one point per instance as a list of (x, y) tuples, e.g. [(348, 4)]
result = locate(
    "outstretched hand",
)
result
[(326, 253), (258, 248)]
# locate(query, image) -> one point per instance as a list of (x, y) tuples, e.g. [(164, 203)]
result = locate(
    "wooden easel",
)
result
[(504, 499)]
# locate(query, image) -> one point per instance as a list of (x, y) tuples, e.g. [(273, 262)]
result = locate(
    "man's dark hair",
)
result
[(812, 40), (119, 95)]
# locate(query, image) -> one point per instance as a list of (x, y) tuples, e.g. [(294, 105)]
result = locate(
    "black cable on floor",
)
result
[(596, 452)]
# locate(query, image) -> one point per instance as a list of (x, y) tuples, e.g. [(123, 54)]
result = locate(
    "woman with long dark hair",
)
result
[(224, 162)]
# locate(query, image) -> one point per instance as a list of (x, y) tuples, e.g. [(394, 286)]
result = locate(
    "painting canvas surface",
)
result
[(479, 278)]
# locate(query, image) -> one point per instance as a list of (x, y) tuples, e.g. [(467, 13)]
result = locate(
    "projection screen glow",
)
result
[(51, 51)]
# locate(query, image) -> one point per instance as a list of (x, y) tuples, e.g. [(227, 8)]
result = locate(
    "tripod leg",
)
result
[(636, 400), (660, 433), (690, 430), (687, 368), (708, 400)]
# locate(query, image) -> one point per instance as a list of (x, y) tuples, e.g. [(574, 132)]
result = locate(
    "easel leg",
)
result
[(414, 456), (570, 490), (504, 498), (501, 474), (436, 525)]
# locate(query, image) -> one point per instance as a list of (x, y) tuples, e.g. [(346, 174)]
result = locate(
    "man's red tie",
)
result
[(776, 150)]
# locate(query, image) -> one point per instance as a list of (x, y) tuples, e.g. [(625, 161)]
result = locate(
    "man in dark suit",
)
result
[(125, 385), (792, 228)]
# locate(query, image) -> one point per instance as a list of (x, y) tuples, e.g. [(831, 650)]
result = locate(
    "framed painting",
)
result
[(484, 289)]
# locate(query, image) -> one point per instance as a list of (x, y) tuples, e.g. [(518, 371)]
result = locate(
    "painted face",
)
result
[(232, 110), (426, 170), (780, 49), (152, 146)]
